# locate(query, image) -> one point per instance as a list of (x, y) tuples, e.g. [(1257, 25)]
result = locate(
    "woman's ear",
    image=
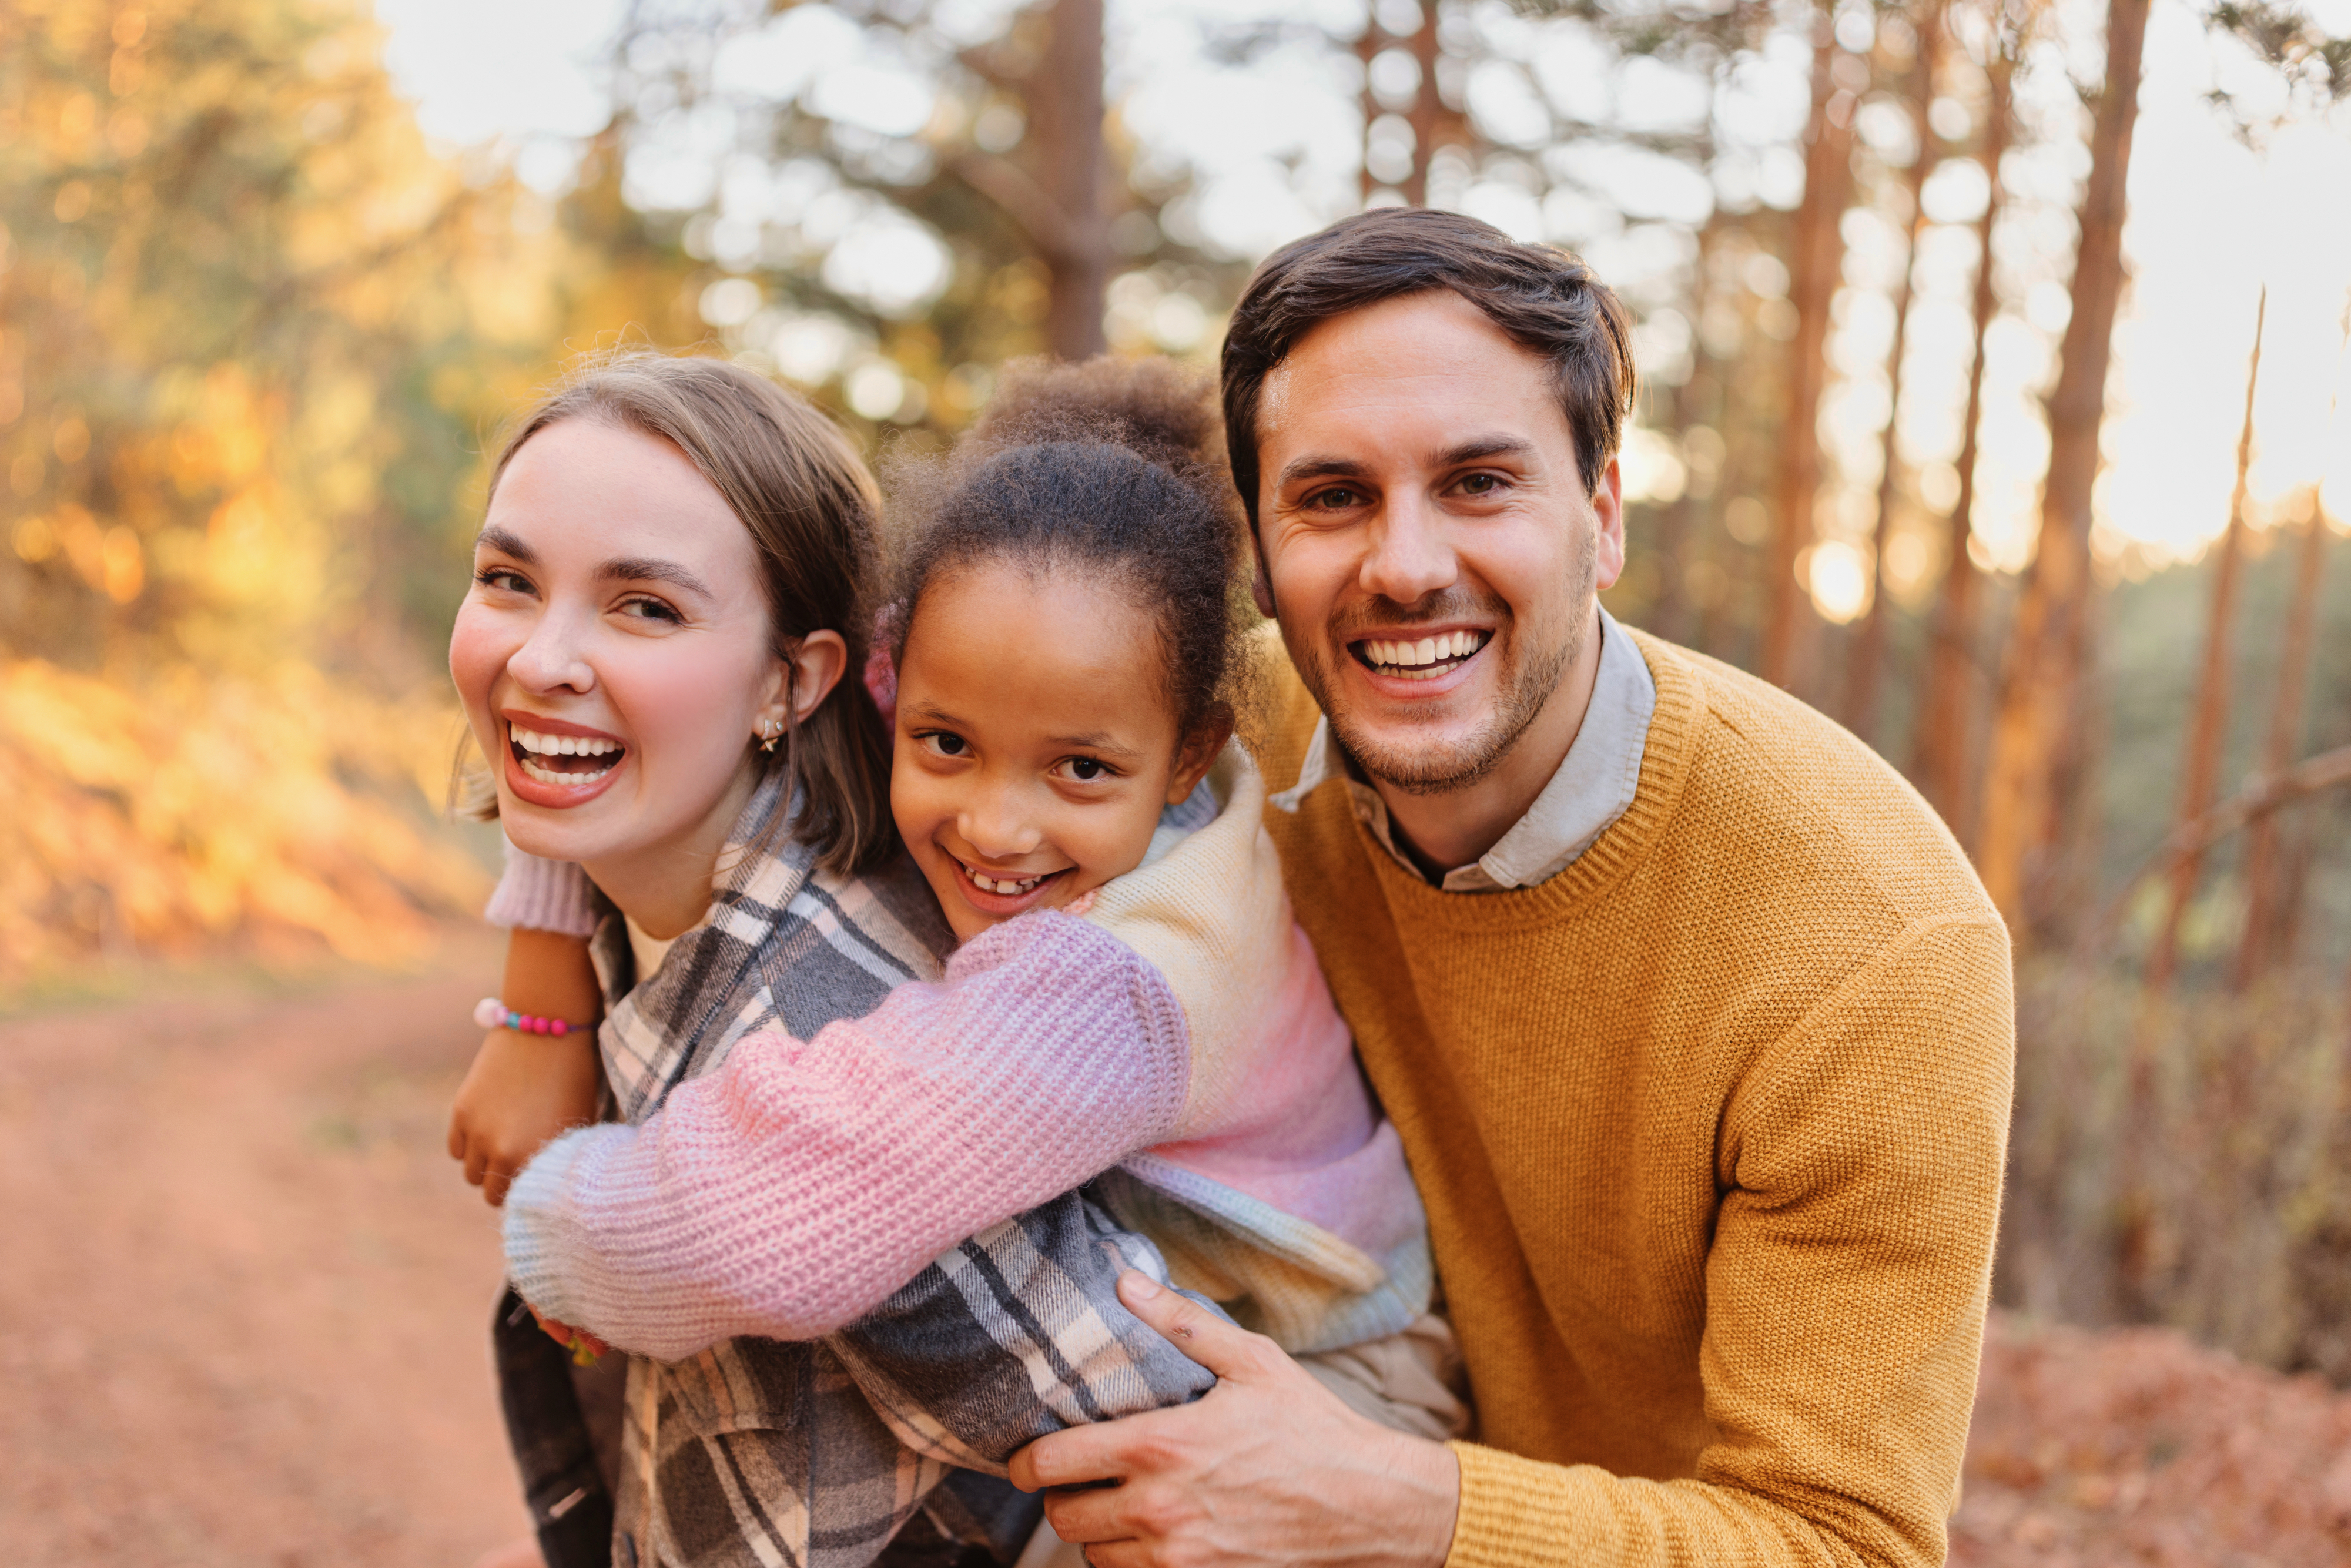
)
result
[(808, 673), (1199, 753)]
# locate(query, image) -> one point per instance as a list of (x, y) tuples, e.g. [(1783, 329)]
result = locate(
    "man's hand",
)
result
[(1269, 1468), (522, 1090)]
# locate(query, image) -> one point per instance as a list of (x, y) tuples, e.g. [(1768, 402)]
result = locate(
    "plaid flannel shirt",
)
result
[(814, 1455)]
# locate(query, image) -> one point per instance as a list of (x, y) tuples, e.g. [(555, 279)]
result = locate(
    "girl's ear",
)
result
[(1199, 753)]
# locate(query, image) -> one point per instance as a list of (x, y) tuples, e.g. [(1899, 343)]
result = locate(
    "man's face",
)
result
[(1432, 552)]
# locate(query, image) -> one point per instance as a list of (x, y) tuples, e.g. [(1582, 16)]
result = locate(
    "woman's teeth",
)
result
[(534, 753), (1428, 657)]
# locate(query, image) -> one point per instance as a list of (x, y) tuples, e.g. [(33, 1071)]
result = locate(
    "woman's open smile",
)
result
[(552, 762)]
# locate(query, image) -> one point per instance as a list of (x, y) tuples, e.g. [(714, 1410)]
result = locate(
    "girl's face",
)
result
[(1035, 744), (614, 654)]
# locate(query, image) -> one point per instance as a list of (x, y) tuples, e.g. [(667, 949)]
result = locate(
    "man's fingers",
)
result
[(1074, 1457), (1224, 1348), (1086, 1516)]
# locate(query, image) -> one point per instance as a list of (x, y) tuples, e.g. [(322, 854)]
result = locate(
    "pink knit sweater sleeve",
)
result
[(795, 1188)]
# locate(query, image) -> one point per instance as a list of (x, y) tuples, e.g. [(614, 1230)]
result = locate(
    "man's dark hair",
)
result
[(1544, 299)]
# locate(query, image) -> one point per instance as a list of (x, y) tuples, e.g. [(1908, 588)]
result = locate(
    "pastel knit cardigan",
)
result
[(792, 1190)]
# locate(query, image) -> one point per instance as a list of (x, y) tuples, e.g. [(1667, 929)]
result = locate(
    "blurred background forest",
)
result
[(1992, 355)]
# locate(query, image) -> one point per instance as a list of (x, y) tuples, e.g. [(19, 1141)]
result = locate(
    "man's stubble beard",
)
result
[(1445, 769)]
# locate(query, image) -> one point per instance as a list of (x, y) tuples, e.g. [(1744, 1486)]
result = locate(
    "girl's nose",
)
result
[(551, 659), (995, 826)]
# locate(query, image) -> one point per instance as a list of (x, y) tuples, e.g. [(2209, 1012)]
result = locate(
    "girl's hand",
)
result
[(585, 1347), (522, 1090)]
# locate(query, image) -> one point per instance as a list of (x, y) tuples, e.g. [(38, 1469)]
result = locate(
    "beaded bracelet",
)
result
[(492, 1013)]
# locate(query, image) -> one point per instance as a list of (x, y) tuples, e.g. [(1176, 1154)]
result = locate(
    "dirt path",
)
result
[(244, 1305), (244, 1297)]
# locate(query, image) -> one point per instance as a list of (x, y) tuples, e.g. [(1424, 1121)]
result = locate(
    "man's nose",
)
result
[(1410, 557), (552, 658)]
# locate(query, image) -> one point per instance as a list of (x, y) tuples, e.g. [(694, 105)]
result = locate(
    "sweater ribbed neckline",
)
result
[(1666, 761)]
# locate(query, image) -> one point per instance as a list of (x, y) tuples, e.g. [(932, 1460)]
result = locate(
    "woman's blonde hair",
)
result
[(814, 513)]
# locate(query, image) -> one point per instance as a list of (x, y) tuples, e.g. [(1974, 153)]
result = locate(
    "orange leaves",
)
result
[(188, 814)]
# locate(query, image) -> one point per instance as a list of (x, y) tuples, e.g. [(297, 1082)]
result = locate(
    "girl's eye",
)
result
[(946, 743), (503, 579), (651, 609), (1087, 770)]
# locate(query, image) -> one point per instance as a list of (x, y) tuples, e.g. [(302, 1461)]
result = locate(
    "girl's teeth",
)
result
[(1004, 885)]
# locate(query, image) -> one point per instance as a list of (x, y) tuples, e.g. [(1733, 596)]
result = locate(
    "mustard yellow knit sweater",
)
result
[(1710, 1129)]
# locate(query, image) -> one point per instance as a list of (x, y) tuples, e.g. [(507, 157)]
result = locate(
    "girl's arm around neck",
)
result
[(796, 1189)]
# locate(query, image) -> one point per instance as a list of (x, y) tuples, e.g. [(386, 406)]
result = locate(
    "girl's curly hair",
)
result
[(1111, 465)]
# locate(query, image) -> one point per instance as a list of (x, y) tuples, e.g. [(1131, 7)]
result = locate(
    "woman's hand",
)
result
[(522, 1090)]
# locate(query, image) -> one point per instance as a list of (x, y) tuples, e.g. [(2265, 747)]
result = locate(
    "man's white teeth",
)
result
[(1412, 657), (1007, 885), (561, 745)]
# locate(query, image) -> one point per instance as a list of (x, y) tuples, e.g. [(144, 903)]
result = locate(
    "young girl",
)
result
[(1061, 639)]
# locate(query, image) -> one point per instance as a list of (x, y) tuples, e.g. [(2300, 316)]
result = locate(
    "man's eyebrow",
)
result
[(644, 569), (505, 543), (1478, 449), (1299, 468)]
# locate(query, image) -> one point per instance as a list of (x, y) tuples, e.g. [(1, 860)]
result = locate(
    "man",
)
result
[(1694, 1022)]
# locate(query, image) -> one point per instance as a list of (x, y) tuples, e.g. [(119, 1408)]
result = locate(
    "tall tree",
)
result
[(2268, 874), (1947, 705), (1869, 657), (2048, 642), (1816, 259), (2207, 728)]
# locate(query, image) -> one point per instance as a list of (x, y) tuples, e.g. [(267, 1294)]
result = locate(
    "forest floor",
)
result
[(244, 1299)]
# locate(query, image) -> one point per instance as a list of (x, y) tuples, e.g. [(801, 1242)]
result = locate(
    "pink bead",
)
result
[(559, 1027), (537, 1025)]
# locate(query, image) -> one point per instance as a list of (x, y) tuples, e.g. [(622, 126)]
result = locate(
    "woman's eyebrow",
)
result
[(641, 569), (505, 543)]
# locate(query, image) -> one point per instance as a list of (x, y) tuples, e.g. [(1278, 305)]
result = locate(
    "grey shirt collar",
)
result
[(1594, 785)]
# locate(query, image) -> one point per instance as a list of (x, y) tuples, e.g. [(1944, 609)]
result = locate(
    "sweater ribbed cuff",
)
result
[(539, 1218), (1512, 1513), (542, 895)]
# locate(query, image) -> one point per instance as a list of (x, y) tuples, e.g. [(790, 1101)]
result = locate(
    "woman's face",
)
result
[(1034, 745), (614, 654)]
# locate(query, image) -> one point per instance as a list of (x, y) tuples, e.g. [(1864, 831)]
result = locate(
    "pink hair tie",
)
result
[(492, 1013)]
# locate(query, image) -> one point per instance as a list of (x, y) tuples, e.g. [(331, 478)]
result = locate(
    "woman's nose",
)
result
[(550, 659)]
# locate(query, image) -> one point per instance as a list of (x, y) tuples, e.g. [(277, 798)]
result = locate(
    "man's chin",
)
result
[(1422, 758)]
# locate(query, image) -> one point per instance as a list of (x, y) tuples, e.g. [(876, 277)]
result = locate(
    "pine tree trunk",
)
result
[(1947, 708), (1065, 100), (1816, 258), (2047, 642), (1869, 655), (2201, 768), (2267, 890)]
